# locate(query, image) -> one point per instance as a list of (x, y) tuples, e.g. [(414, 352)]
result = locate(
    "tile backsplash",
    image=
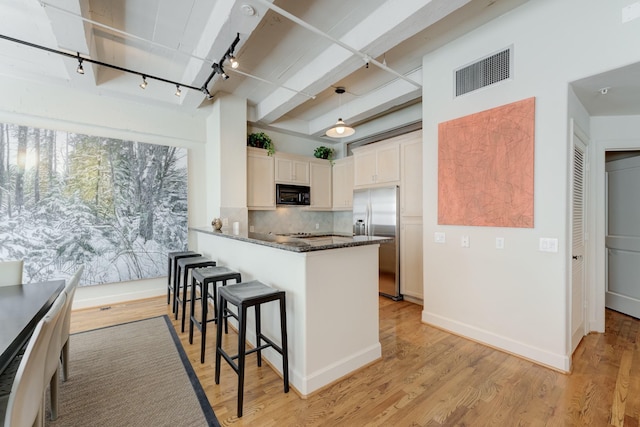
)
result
[(299, 220)]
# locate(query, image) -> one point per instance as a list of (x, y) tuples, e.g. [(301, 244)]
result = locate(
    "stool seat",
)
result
[(245, 295), (172, 280), (185, 265), (204, 277), (249, 293)]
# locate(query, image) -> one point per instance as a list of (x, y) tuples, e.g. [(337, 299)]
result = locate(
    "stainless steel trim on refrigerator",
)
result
[(376, 212)]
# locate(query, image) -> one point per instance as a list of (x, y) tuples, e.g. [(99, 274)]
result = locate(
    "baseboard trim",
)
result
[(536, 355)]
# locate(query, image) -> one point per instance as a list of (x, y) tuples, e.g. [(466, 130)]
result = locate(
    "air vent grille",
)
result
[(485, 72)]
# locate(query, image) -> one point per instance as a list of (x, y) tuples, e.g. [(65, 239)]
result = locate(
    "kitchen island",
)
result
[(331, 285)]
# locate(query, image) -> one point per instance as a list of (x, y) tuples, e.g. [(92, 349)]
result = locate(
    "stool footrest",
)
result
[(262, 347)]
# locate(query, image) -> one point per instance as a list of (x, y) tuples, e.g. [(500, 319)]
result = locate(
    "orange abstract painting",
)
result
[(485, 167)]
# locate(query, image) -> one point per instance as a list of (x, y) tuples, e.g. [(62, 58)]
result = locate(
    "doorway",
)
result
[(622, 239), (597, 288)]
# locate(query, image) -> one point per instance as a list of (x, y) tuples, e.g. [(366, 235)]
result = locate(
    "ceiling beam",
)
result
[(73, 35), (225, 22), (383, 29), (387, 97)]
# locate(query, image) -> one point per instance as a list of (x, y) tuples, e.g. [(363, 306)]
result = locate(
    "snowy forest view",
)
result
[(117, 207)]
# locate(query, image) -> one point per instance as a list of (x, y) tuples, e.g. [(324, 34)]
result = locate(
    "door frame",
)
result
[(597, 287)]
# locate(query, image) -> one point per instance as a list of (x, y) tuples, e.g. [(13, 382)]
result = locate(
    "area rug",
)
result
[(133, 374)]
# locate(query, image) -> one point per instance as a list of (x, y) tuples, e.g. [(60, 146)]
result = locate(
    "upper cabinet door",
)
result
[(364, 168), (376, 164), (261, 189), (320, 185), (343, 184), (388, 164), (292, 171)]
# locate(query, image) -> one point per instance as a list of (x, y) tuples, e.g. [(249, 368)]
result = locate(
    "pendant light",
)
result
[(340, 129)]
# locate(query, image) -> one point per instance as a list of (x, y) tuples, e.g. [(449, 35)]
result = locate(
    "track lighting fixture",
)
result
[(340, 129), (80, 69), (217, 69)]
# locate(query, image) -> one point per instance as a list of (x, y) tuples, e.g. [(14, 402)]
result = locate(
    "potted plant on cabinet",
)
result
[(323, 152), (261, 140)]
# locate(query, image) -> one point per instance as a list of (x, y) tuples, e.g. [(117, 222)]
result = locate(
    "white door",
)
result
[(623, 236), (578, 292)]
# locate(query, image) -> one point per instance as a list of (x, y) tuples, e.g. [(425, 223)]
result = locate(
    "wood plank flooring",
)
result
[(426, 377)]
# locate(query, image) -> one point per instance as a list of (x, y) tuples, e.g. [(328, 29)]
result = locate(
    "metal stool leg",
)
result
[(242, 335), (285, 345)]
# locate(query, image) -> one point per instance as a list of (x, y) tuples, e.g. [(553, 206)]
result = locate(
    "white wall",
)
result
[(52, 107), (516, 299)]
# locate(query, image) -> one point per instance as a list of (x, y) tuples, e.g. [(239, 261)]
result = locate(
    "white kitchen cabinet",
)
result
[(291, 169), (320, 183), (343, 184), (261, 189), (411, 260), (376, 164), (411, 177)]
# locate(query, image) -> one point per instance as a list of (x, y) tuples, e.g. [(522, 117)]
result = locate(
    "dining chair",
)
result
[(59, 340), (70, 290), (23, 408), (11, 272)]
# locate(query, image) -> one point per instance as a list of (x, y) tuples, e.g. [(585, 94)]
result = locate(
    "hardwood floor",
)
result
[(426, 377)]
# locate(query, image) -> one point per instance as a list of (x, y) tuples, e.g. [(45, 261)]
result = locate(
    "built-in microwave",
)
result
[(287, 194)]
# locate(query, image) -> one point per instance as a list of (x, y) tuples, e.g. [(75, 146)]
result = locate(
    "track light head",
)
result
[(233, 61), (178, 91), (143, 85), (80, 69), (207, 93), (218, 69)]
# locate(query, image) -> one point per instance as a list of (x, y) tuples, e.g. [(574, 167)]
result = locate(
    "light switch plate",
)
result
[(439, 237), (464, 241), (499, 242), (548, 244)]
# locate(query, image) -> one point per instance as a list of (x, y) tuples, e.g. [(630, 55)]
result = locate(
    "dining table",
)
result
[(21, 308)]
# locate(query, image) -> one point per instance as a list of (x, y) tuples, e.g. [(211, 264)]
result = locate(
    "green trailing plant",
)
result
[(323, 152), (261, 140)]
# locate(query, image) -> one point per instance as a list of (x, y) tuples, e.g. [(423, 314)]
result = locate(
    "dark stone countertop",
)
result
[(296, 243)]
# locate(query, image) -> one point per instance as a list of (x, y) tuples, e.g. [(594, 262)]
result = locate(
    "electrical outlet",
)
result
[(317, 226), (439, 237), (499, 242), (464, 241)]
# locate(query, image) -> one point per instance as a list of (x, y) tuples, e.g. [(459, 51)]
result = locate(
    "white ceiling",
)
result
[(288, 70), (611, 93)]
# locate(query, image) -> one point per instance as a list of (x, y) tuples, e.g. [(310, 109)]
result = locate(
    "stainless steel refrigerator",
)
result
[(376, 213)]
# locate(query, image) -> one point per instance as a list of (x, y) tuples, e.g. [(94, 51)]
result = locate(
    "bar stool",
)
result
[(172, 279), (203, 277), (184, 266), (243, 296)]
